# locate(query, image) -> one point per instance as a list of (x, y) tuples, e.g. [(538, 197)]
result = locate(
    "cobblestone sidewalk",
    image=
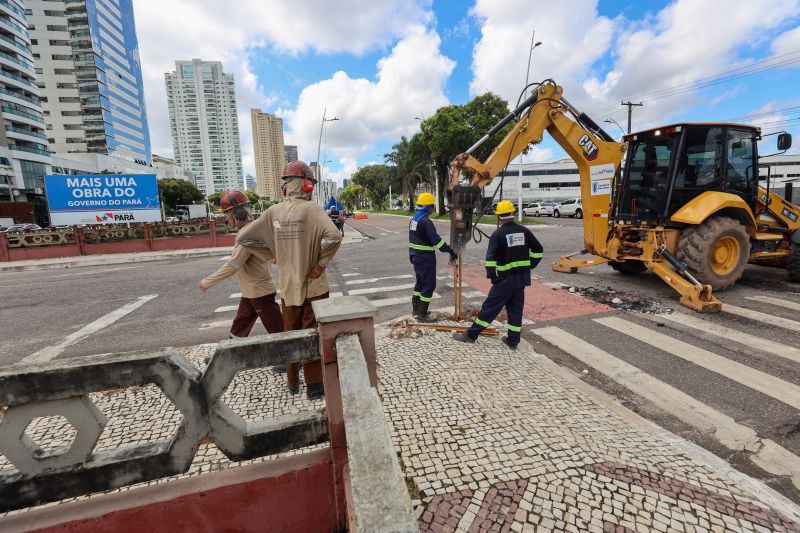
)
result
[(497, 440), (491, 440)]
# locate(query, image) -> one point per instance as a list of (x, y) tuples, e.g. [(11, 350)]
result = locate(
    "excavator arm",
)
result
[(597, 155), (598, 158)]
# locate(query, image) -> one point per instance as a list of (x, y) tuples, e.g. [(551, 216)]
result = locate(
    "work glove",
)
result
[(453, 256)]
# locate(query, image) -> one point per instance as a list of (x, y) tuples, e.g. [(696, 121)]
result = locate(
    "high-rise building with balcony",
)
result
[(290, 153), (269, 154), (24, 156), (87, 63), (205, 128)]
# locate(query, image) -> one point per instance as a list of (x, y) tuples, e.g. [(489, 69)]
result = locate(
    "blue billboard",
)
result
[(102, 199)]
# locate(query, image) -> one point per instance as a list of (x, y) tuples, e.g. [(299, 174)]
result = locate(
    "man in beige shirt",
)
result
[(303, 240), (253, 272)]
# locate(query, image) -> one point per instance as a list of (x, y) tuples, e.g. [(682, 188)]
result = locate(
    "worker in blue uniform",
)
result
[(423, 241), (513, 251)]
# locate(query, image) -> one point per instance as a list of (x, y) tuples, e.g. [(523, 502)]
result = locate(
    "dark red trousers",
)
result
[(302, 317), (251, 309)]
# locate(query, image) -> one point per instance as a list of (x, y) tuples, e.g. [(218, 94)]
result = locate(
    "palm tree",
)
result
[(411, 160)]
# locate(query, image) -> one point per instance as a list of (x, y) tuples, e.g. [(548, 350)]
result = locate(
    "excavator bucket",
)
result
[(462, 201)]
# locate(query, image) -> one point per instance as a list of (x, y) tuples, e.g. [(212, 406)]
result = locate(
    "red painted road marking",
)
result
[(541, 302)]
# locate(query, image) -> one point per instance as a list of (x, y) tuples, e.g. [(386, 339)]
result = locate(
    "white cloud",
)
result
[(347, 166), (686, 41), (787, 42), (231, 31), (409, 81), (572, 40)]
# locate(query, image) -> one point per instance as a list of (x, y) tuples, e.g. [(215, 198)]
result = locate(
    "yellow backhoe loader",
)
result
[(687, 204)]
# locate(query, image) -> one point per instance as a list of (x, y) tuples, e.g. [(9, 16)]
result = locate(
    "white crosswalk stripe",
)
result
[(752, 341), (374, 290), (373, 280), (764, 452), (385, 302), (472, 294), (792, 325), (749, 377), (776, 301)]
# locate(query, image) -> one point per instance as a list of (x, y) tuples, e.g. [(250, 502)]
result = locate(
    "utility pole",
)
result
[(630, 105)]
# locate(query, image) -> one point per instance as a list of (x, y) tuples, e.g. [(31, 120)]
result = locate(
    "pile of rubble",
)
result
[(624, 301)]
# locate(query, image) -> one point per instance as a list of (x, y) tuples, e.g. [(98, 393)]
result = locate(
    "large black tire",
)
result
[(629, 268), (556, 214), (793, 268), (579, 213), (716, 250)]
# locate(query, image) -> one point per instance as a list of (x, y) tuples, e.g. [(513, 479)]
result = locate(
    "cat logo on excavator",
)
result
[(590, 150)]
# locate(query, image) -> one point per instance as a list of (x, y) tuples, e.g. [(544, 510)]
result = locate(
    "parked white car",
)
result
[(569, 208), (538, 210)]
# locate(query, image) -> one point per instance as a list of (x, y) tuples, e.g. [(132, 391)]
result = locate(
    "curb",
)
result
[(111, 260)]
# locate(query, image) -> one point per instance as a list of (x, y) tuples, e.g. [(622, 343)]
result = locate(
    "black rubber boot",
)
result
[(422, 313), (414, 305), (505, 341), (463, 337)]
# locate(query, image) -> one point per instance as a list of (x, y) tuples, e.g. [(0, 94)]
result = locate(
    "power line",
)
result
[(750, 69)]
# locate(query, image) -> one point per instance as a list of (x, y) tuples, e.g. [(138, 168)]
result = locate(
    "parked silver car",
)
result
[(538, 210), (569, 208)]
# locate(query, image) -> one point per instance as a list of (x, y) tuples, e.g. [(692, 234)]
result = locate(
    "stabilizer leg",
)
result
[(569, 265)]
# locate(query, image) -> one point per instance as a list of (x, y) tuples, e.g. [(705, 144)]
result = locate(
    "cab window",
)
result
[(699, 165), (739, 176)]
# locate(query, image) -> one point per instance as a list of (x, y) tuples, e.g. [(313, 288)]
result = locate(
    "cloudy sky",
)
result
[(378, 65)]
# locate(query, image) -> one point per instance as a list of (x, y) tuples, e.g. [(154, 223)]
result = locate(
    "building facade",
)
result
[(204, 124), (540, 182), (166, 168), (290, 153), (24, 154), (269, 153), (250, 182), (89, 73)]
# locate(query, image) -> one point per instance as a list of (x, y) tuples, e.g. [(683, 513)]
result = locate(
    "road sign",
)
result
[(103, 198)]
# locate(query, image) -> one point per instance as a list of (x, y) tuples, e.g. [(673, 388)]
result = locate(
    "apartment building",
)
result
[(269, 153), (204, 124)]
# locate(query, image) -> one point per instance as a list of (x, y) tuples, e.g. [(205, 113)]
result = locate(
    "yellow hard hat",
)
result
[(505, 207), (425, 198)]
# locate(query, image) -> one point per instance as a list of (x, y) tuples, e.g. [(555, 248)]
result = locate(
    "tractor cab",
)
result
[(668, 167)]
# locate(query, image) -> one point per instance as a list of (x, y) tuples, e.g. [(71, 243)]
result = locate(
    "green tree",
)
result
[(353, 196), (214, 198), (253, 197), (376, 179), (177, 192), (413, 165), (453, 129)]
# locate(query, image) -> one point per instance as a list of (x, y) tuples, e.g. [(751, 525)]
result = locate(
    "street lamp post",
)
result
[(610, 120), (527, 76), (318, 170)]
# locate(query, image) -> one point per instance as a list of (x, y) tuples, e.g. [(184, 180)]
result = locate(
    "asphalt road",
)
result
[(747, 375)]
